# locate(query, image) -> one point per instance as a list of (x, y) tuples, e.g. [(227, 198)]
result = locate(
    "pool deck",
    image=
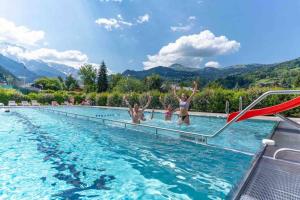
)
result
[(275, 178)]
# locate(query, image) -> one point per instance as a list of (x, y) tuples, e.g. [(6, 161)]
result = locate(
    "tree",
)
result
[(114, 79), (297, 81), (71, 83), (130, 85), (102, 83), (49, 83), (87, 75), (61, 80), (154, 82)]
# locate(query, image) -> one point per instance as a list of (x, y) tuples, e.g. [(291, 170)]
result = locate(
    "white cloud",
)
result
[(119, 23), (192, 18), (213, 64), (181, 28), (144, 18), (191, 49), (72, 58), (113, 23), (118, 1), (184, 28), (21, 35)]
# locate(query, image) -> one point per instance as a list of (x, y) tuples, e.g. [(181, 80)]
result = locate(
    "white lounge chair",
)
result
[(12, 103), (25, 103), (35, 103), (1, 104)]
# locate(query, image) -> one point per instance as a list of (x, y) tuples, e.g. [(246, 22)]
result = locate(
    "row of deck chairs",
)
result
[(35, 103), (24, 103)]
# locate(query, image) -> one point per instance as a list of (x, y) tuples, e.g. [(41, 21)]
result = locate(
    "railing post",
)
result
[(240, 103), (227, 107)]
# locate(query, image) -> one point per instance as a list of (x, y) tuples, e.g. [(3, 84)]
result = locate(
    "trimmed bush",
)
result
[(115, 99), (101, 99), (91, 97)]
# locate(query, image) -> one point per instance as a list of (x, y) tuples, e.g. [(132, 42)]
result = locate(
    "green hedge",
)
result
[(207, 100)]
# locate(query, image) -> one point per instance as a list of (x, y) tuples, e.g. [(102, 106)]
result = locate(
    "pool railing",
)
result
[(185, 135)]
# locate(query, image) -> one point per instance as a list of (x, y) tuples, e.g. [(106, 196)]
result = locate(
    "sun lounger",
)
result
[(35, 103), (1, 104), (12, 103), (25, 103), (54, 103)]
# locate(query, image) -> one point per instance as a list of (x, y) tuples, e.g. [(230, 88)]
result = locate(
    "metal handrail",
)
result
[(204, 136), (259, 99), (285, 149)]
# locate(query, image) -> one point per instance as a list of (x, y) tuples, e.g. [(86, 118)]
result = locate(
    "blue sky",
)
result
[(123, 33)]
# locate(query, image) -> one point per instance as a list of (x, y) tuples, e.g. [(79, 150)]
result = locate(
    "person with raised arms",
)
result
[(137, 113), (168, 110), (184, 104)]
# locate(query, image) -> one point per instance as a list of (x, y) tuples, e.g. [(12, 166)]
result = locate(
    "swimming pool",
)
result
[(49, 156)]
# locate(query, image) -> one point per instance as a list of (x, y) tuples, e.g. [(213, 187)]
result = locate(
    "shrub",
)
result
[(78, 97), (170, 99), (6, 95), (155, 103), (134, 98), (91, 97), (45, 98), (60, 97), (115, 99), (101, 99)]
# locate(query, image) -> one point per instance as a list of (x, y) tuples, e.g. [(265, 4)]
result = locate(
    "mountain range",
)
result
[(177, 72), (33, 69), (283, 74)]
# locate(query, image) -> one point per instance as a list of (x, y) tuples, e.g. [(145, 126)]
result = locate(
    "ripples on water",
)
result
[(48, 156)]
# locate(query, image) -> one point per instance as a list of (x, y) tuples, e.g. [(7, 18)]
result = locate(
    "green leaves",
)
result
[(87, 75)]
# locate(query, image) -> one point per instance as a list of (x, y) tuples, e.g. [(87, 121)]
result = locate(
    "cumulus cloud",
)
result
[(113, 23), (184, 28), (213, 64), (72, 58), (144, 18), (190, 50), (10, 32)]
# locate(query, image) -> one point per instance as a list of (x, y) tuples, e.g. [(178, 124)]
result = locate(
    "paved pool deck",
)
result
[(275, 179)]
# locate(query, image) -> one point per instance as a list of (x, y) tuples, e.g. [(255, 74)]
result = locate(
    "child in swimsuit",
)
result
[(168, 110), (184, 104)]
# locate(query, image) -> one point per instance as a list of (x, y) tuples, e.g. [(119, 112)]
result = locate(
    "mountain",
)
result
[(64, 69), (178, 72), (43, 69), (285, 74), (17, 69), (165, 72), (6, 76), (179, 67)]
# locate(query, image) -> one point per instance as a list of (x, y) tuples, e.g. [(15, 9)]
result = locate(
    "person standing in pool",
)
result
[(137, 113), (168, 110), (184, 104)]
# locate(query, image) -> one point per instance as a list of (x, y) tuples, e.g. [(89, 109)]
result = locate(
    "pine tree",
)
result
[(102, 83)]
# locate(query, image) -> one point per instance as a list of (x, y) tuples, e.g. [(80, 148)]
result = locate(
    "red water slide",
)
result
[(272, 110)]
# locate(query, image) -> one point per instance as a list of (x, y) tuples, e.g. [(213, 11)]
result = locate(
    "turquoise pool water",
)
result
[(48, 156), (244, 136)]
